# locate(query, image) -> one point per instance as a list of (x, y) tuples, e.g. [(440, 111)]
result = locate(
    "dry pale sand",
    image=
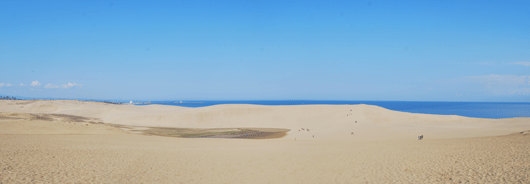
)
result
[(39, 144)]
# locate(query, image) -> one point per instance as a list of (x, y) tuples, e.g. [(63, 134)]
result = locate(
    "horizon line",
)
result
[(116, 100)]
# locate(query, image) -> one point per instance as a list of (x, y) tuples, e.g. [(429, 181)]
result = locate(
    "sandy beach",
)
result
[(93, 142)]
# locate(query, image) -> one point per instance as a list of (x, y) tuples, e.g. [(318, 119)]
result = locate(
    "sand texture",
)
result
[(89, 142)]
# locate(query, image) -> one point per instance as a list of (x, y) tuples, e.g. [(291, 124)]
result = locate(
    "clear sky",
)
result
[(266, 50)]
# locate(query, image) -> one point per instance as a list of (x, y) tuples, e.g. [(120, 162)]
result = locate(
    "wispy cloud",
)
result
[(69, 85), (489, 63), (520, 91), (484, 63), (501, 84), (35, 83), (500, 79), (524, 63), (65, 86), (51, 86)]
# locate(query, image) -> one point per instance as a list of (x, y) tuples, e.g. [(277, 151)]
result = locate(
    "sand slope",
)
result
[(330, 122), (384, 148), (153, 159)]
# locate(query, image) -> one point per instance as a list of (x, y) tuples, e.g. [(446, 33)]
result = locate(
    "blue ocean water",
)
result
[(493, 110)]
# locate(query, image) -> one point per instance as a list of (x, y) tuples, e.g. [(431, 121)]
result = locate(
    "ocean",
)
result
[(492, 110)]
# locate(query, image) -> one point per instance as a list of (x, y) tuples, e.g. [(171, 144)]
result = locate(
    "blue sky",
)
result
[(266, 50)]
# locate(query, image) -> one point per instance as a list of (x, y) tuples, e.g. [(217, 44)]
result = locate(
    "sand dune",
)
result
[(58, 147), (332, 122)]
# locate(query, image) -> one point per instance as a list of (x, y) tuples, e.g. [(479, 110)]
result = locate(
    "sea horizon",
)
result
[(490, 110)]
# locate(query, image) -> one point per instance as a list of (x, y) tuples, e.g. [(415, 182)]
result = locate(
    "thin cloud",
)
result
[(524, 63), (51, 86), (500, 79), (476, 63), (65, 86), (69, 85), (484, 63), (501, 84), (35, 83), (8, 85), (520, 91), (21, 84)]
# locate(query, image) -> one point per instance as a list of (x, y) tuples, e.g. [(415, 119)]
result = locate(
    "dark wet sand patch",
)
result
[(234, 133), (237, 133), (49, 117)]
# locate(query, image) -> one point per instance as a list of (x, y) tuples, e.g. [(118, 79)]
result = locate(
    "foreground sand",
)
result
[(152, 159), (384, 148)]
